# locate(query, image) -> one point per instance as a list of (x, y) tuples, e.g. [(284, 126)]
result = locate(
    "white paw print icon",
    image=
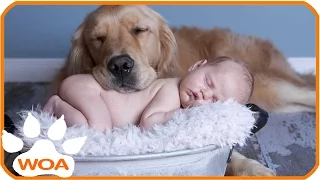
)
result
[(42, 158)]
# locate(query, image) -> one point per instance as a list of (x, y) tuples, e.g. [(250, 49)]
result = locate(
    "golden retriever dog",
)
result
[(128, 47)]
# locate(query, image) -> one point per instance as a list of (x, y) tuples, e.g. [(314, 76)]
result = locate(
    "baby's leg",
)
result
[(58, 107), (83, 93)]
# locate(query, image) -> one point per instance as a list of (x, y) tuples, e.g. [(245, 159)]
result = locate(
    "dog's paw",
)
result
[(242, 166), (254, 168)]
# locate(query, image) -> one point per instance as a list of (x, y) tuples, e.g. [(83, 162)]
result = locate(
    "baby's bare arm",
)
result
[(83, 93), (162, 107)]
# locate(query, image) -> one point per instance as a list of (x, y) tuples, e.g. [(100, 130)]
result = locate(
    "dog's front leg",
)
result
[(242, 166)]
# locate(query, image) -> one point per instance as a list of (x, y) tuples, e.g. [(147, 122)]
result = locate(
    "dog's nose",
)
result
[(121, 65)]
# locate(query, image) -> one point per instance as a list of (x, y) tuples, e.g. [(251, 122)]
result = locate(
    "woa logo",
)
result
[(42, 158)]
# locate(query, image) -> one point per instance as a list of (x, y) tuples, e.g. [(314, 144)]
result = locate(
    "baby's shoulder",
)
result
[(170, 84), (161, 84), (166, 82)]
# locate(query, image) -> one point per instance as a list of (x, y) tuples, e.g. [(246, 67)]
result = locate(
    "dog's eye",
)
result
[(139, 30), (101, 38)]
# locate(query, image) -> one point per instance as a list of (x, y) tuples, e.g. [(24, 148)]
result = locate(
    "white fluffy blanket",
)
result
[(220, 124)]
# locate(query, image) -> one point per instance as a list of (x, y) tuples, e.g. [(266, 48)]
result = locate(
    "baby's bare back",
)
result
[(128, 108), (103, 109)]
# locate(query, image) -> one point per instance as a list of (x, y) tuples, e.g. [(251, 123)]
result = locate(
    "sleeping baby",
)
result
[(83, 101)]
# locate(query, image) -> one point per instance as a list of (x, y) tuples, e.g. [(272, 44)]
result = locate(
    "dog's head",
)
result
[(124, 47)]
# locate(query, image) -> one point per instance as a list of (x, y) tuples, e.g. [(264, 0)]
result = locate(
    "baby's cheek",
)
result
[(184, 102)]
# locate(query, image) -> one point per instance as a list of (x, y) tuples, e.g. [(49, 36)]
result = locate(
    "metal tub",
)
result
[(207, 161)]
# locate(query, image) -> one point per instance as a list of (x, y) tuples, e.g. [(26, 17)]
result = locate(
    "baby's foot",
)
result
[(49, 106)]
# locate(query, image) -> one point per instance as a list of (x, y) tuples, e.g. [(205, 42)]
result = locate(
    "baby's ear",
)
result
[(197, 64)]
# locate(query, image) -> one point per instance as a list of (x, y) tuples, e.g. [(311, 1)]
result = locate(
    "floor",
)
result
[(286, 144)]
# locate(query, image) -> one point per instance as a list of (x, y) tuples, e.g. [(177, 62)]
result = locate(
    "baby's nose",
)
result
[(207, 95), (198, 96)]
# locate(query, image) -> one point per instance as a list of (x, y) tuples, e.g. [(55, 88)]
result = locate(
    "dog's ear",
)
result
[(79, 60), (168, 65)]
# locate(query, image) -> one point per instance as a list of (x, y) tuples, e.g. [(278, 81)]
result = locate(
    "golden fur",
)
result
[(116, 30), (159, 51), (163, 52), (266, 62)]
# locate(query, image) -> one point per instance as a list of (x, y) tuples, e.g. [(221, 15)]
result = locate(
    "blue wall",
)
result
[(45, 31)]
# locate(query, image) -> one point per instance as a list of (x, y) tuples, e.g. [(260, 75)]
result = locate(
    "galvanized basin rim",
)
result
[(145, 156)]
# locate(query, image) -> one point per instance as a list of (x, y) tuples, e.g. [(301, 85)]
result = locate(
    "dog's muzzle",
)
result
[(120, 66)]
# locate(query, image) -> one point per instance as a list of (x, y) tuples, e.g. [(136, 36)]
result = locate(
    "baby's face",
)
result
[(207, 84)]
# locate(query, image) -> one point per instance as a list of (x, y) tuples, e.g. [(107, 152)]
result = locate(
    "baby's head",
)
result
[(220, 79)]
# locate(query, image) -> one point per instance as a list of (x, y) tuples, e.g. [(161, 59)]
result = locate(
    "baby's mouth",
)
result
[(194, 95)]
